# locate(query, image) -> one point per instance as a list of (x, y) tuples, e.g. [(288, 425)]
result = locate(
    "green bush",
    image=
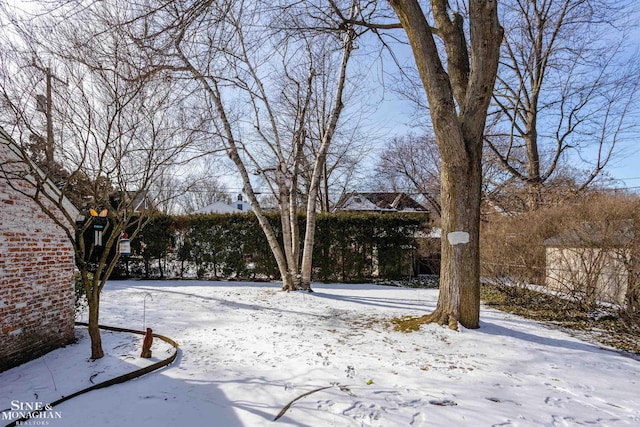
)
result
[(80, 296), (349, 247)]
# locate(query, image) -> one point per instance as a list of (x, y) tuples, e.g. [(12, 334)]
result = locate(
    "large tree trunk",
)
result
[(458, 100), (459, 297)]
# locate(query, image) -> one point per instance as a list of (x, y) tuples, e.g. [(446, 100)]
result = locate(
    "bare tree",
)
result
[(563, 85), (202, 192), (343, 170), (351, 141), (458, 99), (117, 129), (412, 162), (257, 86)]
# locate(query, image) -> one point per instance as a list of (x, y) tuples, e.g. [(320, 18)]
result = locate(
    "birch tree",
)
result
[(351, 141), (256, 85)]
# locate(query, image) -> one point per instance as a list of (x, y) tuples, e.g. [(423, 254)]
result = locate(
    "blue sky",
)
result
[(627, 168), (396, 117)]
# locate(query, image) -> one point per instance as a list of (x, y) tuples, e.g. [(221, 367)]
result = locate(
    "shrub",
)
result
[(349, 247), (80, 296)]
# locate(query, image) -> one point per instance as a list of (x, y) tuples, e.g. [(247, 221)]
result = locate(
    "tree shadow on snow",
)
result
[(226, 302), (167, 397), (125, 284), (395, 303), (491, 328)]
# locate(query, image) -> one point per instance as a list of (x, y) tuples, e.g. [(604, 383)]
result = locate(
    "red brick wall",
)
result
[(36, 279)]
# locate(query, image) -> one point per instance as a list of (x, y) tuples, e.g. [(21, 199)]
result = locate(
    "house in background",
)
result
[(141, 201), (36, 267), (137, 201), (239, 206), (379, 202), (217, 208), (594, 262), (425, 259), (428, 253)]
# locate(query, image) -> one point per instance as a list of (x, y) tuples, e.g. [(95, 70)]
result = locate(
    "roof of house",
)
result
[(137, 201), (217, 207), (379, 202), (598, 234), (139, 198)]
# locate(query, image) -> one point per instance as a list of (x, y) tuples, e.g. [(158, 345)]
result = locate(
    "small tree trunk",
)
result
[(632, 296), (534, 183), (288, 284), (288, 242), (94, 331), (309, 240), (321, 158), (324, 204)]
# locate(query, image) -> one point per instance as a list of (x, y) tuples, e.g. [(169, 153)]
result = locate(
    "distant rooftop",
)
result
[(596, 234), (379, 202)]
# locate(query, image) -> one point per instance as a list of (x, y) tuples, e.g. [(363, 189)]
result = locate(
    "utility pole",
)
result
[(46, 106), (49, 148)]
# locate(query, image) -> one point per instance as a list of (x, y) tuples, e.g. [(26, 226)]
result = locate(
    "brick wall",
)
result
[(36, 278)]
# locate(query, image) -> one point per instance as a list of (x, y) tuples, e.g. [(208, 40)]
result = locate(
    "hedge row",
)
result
[(349, 247)]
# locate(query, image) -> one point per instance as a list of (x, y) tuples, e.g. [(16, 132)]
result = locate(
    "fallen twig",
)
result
[(288, 405)]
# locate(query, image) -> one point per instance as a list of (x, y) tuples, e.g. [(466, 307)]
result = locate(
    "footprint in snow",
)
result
[(325, 405), (443, 402), (498, 400), (556, 402), (362, 411), (411, 403), (419, 420)]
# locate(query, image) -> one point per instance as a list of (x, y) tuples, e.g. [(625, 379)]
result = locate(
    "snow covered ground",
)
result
[(248, 349)]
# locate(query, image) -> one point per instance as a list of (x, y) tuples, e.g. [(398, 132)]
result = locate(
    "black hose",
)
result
[(122, 378)]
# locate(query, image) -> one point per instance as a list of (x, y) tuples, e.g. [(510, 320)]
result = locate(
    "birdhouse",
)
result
[(99, 222), (125, 244)]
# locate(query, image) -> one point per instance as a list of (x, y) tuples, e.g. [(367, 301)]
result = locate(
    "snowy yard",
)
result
[(247, 350)]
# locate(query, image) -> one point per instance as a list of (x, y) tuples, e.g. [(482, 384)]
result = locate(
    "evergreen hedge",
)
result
[(349, 247)]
